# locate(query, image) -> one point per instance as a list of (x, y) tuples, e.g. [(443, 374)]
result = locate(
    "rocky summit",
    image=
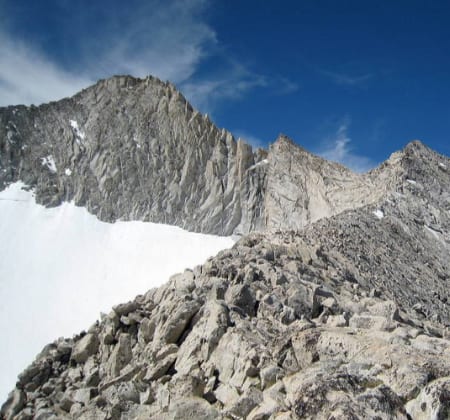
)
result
[(133, 149), (334, 304)]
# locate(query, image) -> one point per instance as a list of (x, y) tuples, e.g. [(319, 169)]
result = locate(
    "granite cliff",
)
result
[(134, 149)]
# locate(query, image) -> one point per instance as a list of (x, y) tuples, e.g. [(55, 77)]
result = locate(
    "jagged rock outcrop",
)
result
[(134, 149), (346, 318), (303, 188)]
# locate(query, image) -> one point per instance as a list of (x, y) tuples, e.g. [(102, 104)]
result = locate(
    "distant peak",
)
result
[(127, 81), (415, 145), (285, 143), (283, 138), (418, 149)]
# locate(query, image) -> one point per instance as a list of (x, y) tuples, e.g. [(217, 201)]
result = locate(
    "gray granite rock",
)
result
[(337, 307), (134, 149), (84, 348), (215, 341)]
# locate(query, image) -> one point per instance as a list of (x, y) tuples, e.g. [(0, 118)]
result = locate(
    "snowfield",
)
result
[(61, 267)]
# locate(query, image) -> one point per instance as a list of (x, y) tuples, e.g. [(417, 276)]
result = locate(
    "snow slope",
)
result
[(60, 267)]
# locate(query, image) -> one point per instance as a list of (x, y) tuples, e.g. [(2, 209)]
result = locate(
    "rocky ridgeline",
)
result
[(134, 149), (347, 318)]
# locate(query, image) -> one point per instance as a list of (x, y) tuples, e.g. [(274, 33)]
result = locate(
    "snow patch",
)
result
[(68, 172), (74, 124), (60, 267), (379, 213), (411, 181), (49, 162), (80, 135), (261, 163)]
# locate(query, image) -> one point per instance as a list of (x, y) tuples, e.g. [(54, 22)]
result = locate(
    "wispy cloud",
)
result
[(346, 79), (170, 39), (27, 76), (285, 86), (206, 93), (167, 39), (338, 148)]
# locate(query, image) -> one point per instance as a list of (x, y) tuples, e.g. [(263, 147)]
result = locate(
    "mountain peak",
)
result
[(416, 146), (126, 80), (136, 149), (417, 143), (283, 138), (284, 143)]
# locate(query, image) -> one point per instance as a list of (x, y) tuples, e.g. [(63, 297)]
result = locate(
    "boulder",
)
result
[(85, 347), (120, 356), (14, 404)]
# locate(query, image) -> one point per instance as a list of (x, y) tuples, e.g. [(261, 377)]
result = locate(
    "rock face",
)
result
[(335, 307), (134, 149), (303, 188)]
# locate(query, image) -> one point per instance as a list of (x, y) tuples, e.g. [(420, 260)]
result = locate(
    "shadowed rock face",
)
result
[(337, 308)]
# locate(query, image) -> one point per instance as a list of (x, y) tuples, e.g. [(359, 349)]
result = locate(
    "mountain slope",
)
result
[(345, 318)]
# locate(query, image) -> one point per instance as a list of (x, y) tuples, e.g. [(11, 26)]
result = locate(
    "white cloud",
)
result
[(27, 76), (169, 39), (166, 39), (204, 94), (338, 149)]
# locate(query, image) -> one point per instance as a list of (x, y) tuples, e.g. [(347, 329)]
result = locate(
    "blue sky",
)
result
[(350, 80)]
